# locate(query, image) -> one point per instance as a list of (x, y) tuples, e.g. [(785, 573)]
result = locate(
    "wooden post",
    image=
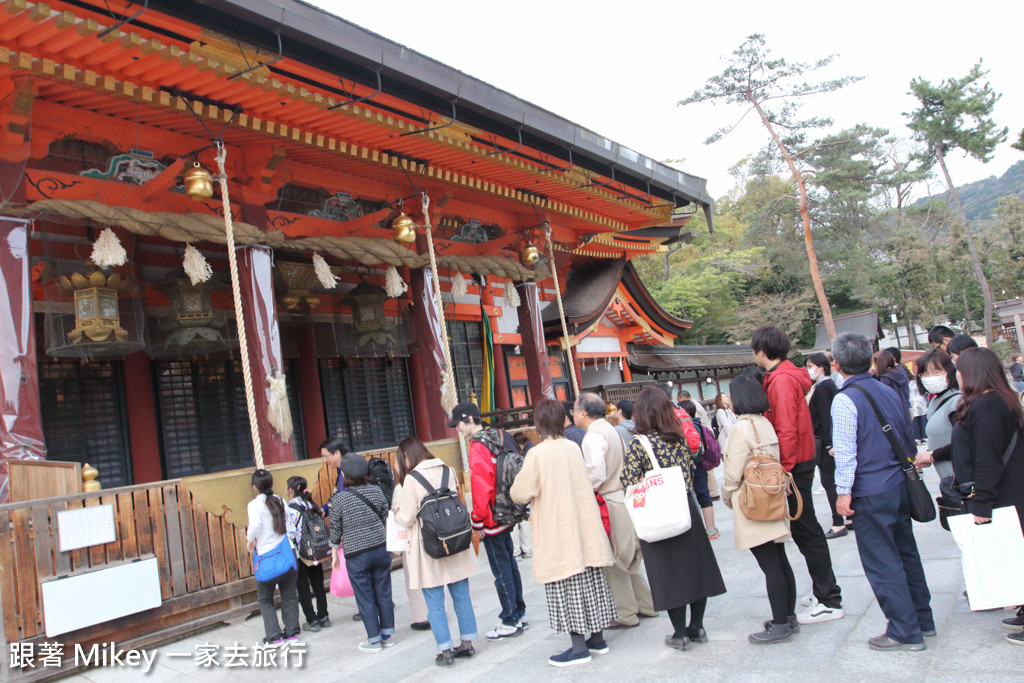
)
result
[(143, 430)]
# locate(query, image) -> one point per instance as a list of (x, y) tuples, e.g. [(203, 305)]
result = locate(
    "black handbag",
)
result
[(922, 508)]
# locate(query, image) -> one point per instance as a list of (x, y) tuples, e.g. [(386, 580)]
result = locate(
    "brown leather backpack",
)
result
[(765, 486)]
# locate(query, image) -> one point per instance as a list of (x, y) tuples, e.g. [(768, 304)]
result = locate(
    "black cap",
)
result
[(464, 410)]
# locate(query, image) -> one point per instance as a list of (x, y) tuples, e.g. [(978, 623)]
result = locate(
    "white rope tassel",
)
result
[(107, 250), (449, 394), (236, 292), (280, 413), (511, 297), (459, 287), (196, 266), (394, 285), (561, 311), (328, 280)]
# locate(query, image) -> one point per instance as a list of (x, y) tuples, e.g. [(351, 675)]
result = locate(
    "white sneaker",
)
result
[(523, 624), (502, 631), (818, 613), (367, 646), (809, 600)]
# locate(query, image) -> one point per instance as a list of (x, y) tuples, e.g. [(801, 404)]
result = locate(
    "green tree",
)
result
[(957, 114), (770, 86)]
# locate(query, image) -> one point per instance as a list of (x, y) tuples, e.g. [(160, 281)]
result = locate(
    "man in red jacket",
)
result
[(786, 386)]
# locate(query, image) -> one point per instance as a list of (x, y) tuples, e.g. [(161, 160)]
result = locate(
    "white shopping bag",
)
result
[(659, 504), (397, 535), (987, 552)]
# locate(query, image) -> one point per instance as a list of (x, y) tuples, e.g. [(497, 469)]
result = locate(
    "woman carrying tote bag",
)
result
[(682, 570), (766, 540), (267, 540)]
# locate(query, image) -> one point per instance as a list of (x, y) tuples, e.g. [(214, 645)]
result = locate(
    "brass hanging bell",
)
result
[(530, 255), (403, 229), (198, 183)]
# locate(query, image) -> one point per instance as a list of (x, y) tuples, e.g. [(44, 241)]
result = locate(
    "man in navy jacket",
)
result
[(871, 488)]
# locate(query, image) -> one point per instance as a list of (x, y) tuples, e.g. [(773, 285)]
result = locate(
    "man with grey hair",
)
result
[(871, 488), (603, 455)]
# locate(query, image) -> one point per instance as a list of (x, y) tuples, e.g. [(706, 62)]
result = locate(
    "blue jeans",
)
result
[(888, 553), (506, 577), (700, 486), (438, 618), (370, 574)]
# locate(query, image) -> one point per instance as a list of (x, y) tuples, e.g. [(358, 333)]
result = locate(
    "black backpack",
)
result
[(382, 476), (315, 540), (445, 526), (507, 465)]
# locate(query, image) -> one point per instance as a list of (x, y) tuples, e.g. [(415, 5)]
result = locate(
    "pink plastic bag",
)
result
[(340, 585)]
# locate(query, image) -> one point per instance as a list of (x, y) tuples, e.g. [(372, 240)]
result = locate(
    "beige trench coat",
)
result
[(738, 448), (568, 535), (425, 571)]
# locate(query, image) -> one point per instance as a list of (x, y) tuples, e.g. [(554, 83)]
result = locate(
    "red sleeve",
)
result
[(481, 471), (783, 416), (692, 435)]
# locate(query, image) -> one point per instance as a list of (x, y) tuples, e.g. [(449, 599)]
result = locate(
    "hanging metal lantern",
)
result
[(97, 318), (198, 182), (530, 255), (403, 229), (193, 317), (367, 303)]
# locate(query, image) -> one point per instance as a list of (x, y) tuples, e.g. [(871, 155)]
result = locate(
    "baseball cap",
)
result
[(464, 410)]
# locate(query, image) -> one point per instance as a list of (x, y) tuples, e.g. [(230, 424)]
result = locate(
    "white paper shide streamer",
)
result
[(196, 266), (394, 285), (279, 413), (459, 287), (328, 280), (107, 250), (511, 295)]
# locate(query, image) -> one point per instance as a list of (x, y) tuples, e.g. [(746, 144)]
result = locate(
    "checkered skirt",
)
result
[(581, 603)]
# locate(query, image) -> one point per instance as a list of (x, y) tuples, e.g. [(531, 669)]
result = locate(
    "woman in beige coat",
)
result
[(766, 540), (569, 542), (429, 574)]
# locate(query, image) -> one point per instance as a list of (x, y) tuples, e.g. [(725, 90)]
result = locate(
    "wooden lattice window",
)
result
[(84, 419), (467, 350), (367, 401)]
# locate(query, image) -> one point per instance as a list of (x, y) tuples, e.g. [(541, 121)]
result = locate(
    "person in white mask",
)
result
[(936, 376), (819, 400)]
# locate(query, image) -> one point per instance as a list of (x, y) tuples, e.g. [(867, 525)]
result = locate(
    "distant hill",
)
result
[(981, 198)]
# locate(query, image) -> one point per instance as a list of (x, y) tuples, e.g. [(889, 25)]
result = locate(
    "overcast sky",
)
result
[(619, 68)]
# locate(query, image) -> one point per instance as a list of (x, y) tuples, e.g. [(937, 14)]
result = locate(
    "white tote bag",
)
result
[(397, 539), (659, 503), (992, 555)]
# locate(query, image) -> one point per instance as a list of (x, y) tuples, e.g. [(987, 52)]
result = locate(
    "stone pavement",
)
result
[(969, 646)]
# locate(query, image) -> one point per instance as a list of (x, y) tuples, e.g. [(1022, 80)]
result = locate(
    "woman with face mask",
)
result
[(819, 401), (936, 375)]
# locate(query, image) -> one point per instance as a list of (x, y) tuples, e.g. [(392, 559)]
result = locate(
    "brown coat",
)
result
[(735, 455), (568, 535), (625, 545), (425, 571)]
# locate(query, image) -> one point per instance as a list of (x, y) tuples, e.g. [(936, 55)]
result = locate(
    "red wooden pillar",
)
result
[(21, 429), (426, 364), (535, 351), (143, 429), (256, 280), (312, 392)]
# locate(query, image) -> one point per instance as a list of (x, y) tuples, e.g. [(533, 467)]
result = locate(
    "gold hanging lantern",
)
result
[(403, 229), (198, 183), (530, 255), (97, 317)]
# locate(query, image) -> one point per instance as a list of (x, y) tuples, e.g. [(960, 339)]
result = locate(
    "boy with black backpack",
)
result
[(492, 466)]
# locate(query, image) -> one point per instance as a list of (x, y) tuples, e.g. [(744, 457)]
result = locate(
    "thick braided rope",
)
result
[(561, 311), (236, 292), (449, 391)]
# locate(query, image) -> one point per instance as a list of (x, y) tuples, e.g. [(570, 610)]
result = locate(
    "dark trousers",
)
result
[(289, 606), (370, 574), (310, 585), (920, 422), (507, 581), (827, 469), (779, 579), (700, 486), (811, 541), (888, 553)]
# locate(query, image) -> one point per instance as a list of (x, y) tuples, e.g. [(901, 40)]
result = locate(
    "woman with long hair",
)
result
[(428, 574), (268, 527), (570, 546), (724, 417), (937, 377), (989, 416), (766, 540), (682, 570), (819, 401)]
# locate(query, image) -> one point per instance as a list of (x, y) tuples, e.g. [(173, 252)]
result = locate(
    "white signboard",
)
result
[(83, 527), (80, 600)]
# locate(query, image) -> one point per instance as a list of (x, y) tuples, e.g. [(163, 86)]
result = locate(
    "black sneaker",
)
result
[(325, 622), (445, 659), (597, 645), (773, 633), (1015, 638), (313, 626), (420, 626), (466, 652), (793, 624), (677, 643), (1015, 623), (569, 658)]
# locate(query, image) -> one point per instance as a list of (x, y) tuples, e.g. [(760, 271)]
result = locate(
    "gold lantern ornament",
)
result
[(529, 256), (198, 182), (403, 229), (97, 318)]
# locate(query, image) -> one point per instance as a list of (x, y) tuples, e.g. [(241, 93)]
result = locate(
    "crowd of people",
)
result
[(570, 500)]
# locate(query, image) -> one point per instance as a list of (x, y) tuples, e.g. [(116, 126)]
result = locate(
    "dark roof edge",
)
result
[(553, 327), (336, 40), (658, 315)]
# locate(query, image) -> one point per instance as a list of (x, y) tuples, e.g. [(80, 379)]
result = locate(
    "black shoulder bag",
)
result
[(953, 500), (922, 509), (383, 515)]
